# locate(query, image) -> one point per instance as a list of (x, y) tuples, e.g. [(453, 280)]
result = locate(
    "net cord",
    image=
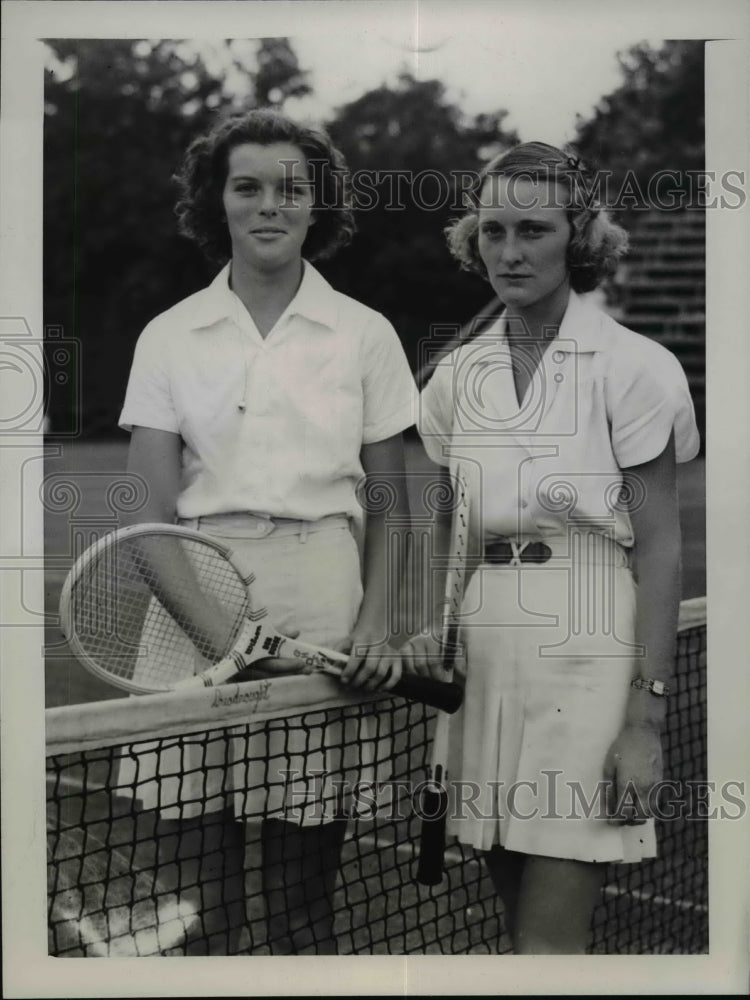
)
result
[(101, 724)]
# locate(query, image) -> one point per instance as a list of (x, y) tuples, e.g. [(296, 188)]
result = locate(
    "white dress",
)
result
[(550, 647)]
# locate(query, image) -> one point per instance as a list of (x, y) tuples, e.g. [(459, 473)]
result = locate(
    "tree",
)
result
[(411, 152), (654, 120), (279, 75)]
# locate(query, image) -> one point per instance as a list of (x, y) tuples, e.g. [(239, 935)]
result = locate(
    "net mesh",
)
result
[(128, 880)]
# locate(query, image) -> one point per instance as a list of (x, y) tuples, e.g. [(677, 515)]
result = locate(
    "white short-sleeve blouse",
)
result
[(271, 425), (603, 399)]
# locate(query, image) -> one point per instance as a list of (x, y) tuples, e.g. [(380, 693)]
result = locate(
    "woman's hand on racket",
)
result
[(374, 664), (424, 655), (632, 767)]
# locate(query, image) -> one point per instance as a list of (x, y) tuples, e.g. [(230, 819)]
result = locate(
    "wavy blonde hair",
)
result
[(596, 242)]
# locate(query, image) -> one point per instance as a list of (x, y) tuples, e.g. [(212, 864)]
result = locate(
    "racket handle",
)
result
[(432, 835), (444, 695)]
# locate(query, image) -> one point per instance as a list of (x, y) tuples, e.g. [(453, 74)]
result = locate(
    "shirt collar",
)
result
[(581, 329), (315, 300)]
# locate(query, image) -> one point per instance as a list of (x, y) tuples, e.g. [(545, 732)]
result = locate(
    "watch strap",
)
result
[(657, 688)]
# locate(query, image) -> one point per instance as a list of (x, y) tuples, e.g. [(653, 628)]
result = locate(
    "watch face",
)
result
[(658, 688)]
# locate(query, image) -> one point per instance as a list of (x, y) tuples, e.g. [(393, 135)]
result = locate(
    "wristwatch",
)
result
[(658, 688)]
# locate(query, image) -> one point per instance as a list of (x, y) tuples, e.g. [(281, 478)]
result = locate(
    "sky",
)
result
[(543, 83), (486, 60), (544, 62)]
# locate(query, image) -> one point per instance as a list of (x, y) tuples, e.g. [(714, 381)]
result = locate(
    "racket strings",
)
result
[(152, 610)]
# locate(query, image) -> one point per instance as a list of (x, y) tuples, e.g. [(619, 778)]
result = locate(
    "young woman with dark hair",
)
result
[(259, 409)]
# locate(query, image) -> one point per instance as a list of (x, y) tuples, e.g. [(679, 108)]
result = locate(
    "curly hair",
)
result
[(203, 173), (596, 242)]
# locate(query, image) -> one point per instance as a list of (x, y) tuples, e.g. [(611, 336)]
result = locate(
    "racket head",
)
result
[(147, 606)]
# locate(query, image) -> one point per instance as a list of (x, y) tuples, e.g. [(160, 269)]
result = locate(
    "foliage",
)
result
[(419, 143), (654, 120), (278, 76)]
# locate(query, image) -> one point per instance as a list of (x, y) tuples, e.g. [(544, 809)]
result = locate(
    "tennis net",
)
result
[(126, 878)]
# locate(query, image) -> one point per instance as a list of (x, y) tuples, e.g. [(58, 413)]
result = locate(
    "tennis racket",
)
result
[(435, 796), (158, 607)]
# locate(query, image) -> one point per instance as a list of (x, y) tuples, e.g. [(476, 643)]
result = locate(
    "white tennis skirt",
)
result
[(550, 653), (307, 575)]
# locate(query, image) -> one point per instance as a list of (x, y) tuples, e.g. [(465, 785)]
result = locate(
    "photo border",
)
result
[(28, 971)]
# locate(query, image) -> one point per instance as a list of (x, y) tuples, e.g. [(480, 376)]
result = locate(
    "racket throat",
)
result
[(436, 781), (257, 642)]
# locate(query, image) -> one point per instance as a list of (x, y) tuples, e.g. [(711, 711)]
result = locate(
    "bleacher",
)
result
[(660, 289)]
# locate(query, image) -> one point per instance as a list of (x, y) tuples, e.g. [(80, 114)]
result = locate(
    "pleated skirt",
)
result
[(550, 656)]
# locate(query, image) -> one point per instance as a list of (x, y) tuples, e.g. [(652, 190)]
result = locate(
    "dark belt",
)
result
[(501, 552)]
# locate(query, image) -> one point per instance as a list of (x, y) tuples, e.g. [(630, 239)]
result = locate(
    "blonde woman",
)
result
[(569, 427)]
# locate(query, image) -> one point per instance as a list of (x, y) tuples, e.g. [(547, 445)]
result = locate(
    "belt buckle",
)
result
[(264, 526), (541, 553), (511, 552)]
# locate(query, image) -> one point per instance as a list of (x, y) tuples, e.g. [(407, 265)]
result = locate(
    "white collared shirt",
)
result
[(271, 425), (602, 399)]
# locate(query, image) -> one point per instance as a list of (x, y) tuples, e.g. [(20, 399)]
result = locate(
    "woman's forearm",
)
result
[(657, 612), (656, 530), (384, 565), (384, 555)]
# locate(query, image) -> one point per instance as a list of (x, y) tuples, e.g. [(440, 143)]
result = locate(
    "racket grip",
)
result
[(432, 835), (445, 695)]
